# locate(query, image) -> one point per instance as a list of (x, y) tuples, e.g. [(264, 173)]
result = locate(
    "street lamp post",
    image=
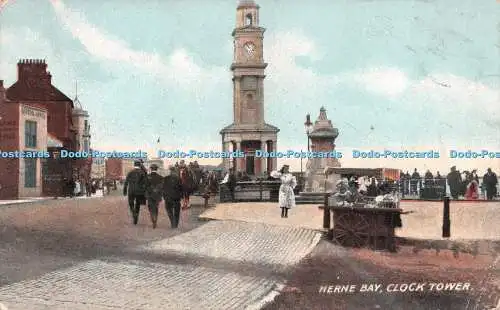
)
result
[(308, 126)]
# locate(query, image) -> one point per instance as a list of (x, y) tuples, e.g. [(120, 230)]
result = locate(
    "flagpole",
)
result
[(157, 147)]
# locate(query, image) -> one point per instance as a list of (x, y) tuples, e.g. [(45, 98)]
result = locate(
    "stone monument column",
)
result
[(238, 160), (274, 160), (322, 138)]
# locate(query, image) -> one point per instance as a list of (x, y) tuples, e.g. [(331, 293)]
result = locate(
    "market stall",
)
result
[(363, 221)]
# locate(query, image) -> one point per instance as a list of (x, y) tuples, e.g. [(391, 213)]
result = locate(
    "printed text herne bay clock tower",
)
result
[(249, 131)]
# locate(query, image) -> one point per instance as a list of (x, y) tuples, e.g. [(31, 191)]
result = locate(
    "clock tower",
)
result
[(249, 132)]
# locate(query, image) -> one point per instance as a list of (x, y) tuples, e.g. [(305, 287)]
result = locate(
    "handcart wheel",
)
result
[(351, 230)]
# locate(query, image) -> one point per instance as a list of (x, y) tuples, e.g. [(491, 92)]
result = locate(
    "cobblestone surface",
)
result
[(134, 285), (245, 242)]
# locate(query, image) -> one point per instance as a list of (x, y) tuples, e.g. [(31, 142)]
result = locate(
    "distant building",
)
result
[(81, 124), (118, 168), (98, 168), (36, 116)]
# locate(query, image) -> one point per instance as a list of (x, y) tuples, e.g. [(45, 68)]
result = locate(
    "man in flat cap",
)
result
[(135, 188), (154, 193), (172, 193)]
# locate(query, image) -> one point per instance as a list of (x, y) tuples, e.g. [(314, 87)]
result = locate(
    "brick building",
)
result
[(34, 87), (36, 114), (22, 128), (118, 168)]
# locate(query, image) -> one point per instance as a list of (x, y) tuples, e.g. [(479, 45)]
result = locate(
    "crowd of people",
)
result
[(180, 182), (465, 184), (75, 186), (459, 185)]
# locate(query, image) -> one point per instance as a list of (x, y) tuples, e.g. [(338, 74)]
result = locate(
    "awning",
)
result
[(53, 141)]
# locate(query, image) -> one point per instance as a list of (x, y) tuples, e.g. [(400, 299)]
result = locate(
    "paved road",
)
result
[(40, 237), (85, 254)]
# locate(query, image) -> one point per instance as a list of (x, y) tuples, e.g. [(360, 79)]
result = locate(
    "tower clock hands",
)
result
[(250, 48)]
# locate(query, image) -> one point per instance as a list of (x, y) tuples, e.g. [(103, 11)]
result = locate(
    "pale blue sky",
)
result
[(414, 70)]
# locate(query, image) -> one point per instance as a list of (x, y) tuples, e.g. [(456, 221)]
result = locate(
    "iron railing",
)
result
[(436, 188), (251, 191)]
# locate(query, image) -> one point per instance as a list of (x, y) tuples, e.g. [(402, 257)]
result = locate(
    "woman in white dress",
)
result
[(288, 184)]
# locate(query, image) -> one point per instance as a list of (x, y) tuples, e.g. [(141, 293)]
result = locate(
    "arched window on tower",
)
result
[(248, 20)]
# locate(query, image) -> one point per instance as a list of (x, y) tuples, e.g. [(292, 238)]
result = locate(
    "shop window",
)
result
[(30, 134), (30, 172)]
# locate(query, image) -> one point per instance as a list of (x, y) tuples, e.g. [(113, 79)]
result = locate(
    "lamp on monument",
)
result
[(308, 125)]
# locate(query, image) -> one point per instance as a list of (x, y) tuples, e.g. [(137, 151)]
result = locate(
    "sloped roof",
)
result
[(19, 91), (53, 141), (247, 3), (250, 127), (77, 103)]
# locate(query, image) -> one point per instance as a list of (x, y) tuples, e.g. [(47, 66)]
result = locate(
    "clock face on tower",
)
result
[(249, 49)]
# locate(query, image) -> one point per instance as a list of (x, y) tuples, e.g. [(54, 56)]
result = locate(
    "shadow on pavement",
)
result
[(330, 265)]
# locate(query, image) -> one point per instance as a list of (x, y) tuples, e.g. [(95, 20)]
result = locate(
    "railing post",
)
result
[(326, 214), (446, 217), (260, 188), (206, 197)]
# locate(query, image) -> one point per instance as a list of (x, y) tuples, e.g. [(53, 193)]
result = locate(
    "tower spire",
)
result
[(76, 101)]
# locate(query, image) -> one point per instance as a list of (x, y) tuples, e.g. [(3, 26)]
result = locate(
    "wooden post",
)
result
[(326, 214), (446, 217), (260, 188)]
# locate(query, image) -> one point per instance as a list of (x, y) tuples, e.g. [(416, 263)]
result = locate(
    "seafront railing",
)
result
[(419, 189), (258, 190), (436, 188)]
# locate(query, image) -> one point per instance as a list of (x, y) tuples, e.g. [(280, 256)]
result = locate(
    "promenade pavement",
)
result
[(469, 221), (98, 194)]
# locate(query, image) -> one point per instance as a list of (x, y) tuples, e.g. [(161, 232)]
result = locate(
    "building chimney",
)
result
[(27, 68)]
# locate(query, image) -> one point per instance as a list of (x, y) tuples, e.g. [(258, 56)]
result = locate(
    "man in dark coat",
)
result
[(401, 183), (490, 182), (414, 183), (454, 182), (154, 193), (172, 193), (231, 183), (135, 188), (429, 179)]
